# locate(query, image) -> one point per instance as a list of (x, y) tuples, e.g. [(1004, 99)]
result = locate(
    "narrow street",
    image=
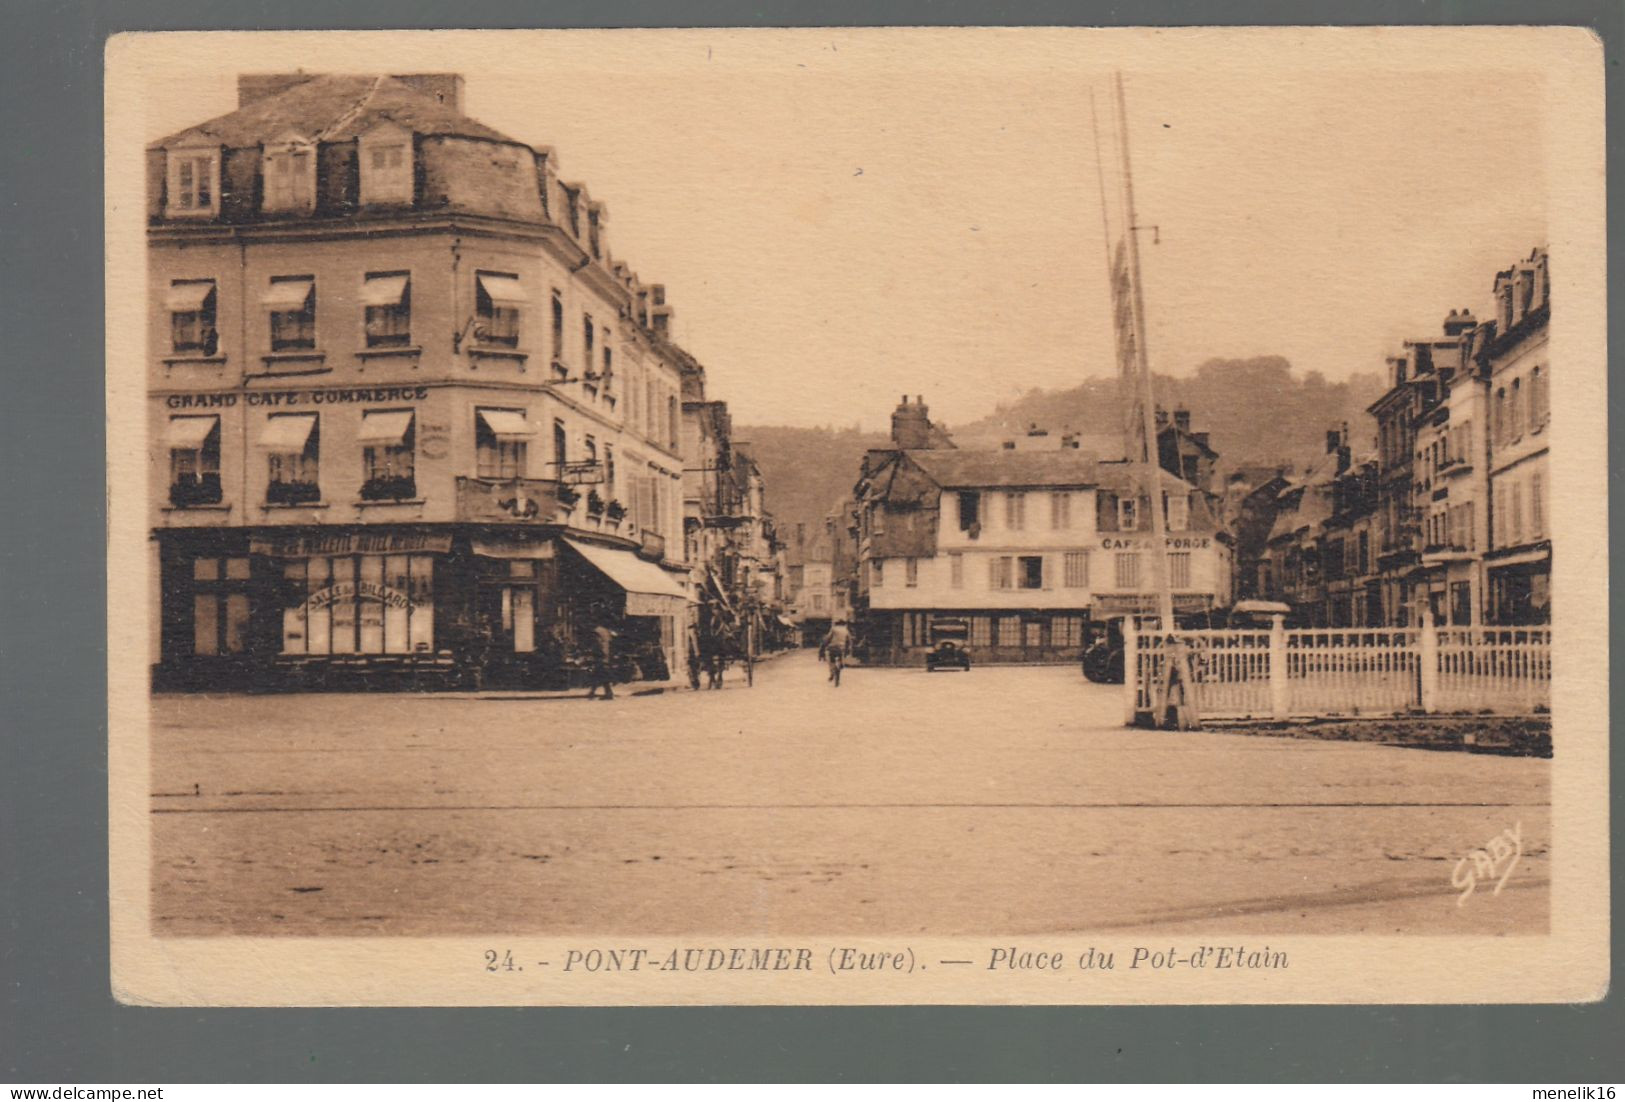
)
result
[(1006, 800)]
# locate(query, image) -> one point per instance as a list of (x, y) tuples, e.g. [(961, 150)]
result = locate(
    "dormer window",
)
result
[(194, 181), (290, 176), (386, 164)]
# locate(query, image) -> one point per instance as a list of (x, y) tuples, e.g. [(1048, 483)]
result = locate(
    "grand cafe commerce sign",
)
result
[(284, 398)]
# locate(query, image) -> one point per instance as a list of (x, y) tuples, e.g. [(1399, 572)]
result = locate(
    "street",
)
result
[(1004, 800)]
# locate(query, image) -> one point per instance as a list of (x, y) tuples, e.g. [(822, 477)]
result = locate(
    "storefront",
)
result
[(1520, 587), (409, 606)]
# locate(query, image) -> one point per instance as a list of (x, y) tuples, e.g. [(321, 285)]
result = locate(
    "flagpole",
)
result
[(1148, 457)]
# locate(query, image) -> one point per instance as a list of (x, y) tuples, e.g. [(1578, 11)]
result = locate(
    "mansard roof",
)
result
[(330, 108)]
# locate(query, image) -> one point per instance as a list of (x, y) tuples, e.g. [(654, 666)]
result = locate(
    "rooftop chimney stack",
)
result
[(911, 425), (1182, 420), (1459, 322), (446, 88)]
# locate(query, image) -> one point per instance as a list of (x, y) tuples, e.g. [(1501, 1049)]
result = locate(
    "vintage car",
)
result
[(949, 638)]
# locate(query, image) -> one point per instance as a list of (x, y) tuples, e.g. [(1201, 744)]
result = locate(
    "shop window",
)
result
[(219, 605), (194, 461), (1015, 511), (499, 298), (292, 303), (1066, 631), (956, 570), (1076, 566), (1179, 569), (1178, 515), (194, 182), (1030, 572), (192, 304), (292, 443), (500, 443), (358, 604), (911, 572), (386, 298), (388, 441), (1461, 603), (290, 177), (1060, 511), (981, 631), (1009, 631), (1128, 569)]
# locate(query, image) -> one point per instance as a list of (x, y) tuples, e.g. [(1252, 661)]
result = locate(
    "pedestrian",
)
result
[(603, 650)]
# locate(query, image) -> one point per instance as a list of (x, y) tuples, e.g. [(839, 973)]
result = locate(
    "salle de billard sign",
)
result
[(285, 398)]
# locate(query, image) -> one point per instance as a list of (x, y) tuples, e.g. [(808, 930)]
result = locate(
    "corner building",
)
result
[(410, 422)]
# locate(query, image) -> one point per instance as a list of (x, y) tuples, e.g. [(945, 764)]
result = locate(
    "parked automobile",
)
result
[(950, 637)]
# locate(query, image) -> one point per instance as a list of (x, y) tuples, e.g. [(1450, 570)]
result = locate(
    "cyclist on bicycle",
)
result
[(835, 647)]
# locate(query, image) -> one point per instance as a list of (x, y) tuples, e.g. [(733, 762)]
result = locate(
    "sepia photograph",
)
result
[(996, 515)]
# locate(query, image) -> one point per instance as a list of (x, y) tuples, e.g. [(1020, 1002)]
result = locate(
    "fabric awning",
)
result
[(504, 290), (188, 298), (387, 427), (384, 290), (629, 572), (287, 432), (289, 294), (506, 424), (190, 432)]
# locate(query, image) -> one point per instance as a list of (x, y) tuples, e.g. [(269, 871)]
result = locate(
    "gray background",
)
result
[(58, 1023)]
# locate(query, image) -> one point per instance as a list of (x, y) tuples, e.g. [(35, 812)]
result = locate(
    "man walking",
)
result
[(603, 649)]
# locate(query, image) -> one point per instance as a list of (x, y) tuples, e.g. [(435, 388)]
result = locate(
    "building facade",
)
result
[(411, 421)]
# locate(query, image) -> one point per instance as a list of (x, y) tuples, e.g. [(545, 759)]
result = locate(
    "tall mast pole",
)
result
[(1148, 457)]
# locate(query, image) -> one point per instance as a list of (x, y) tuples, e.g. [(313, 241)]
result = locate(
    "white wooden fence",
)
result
[(1280, 674)]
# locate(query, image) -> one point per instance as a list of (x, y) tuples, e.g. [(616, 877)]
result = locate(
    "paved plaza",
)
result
[(1006, 800)]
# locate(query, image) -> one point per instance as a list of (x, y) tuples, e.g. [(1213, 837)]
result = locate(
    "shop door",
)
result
[(508, 618)]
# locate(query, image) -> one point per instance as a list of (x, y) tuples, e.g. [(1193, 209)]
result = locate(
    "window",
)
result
[(818, 602), (561, 449), (292, 302), (1515, 423), (1515, 520), (609, 470), (290, 178), (1537, 506), (671, 422), (1179, 570), (970, 513), (1500, 504), (501, 438), (191, 305), (1060, 511), (877, 573), (388, 455), (1499, 425), (911, 572), (608, 373), (194, 461), (587, 335), (1128, 514), (386, 166), (1128, 569), (981, 631), (292, 443), (1030, 571), (391, 611), (650, 410), (956, 570), (1076, 565), (219, 606), (1015, 511), (998, 572), (1066, 631), (1539, 400), (558, 326), (1009, 631), (498, 300), (1178, 512), (387, 299), (194, 177)]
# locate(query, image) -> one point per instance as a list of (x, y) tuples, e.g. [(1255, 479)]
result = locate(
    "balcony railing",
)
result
[(192, 490), (512, 500), (292, 493), (389, 487)]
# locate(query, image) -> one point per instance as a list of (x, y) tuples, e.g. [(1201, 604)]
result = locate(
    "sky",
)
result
[(841, 217)]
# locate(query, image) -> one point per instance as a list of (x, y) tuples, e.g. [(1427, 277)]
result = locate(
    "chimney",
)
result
[(253, 87), (911, 425), (1334, 438), (446, 88), (1182, 420), (1458, 323)]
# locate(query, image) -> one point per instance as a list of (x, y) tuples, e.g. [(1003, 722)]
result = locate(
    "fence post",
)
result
[(1427, 661), (1131, 672), (1280, 691)]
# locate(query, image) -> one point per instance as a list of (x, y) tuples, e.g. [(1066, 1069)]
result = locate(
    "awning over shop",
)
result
[(287, 432), (190, 432), (188, 298), (506, 424), (384, 290), (289, 294), (504, 290), (386, 427), (630, 572)]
